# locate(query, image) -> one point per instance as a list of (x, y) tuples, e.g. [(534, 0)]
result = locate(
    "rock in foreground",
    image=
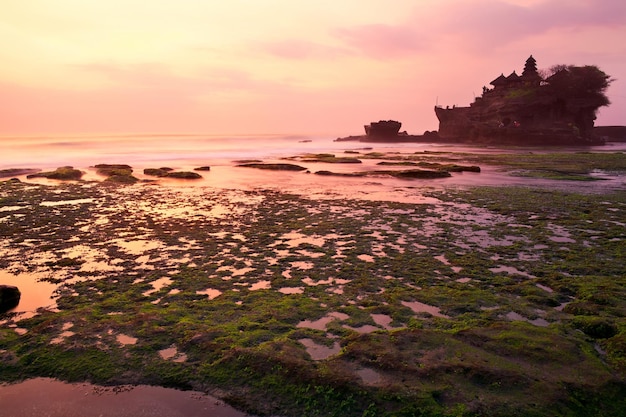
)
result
[(9, 297)]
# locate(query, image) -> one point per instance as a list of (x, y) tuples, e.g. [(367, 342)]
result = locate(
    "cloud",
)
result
[(382, 41), (158, 78), (478, 25), (493, 23), (299, 49)]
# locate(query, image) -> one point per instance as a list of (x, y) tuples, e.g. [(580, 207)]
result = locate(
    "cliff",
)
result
[(531, 110)]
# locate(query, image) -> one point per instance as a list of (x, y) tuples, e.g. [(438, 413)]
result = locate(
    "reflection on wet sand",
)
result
[(52, 398)]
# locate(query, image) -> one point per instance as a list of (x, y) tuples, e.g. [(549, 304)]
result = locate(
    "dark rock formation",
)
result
[(62, 173), (204, 168), (434, 165), (611, 133), (122, 179), (12, 172), (407, 174), (168, 173), (276, 167), (184, 175), (9, 298), (331, 159), (117, 173), (155, 172), (427, 137), (108, 170), (530, 110), (383, 129)]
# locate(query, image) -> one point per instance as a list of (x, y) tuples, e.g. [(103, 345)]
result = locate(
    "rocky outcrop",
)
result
[(611, 133), (383, 129), (169, 173), (275, 167), (530, 110), (9, 297), (62, 173), (14, 172), (427, 137), (405, 174)]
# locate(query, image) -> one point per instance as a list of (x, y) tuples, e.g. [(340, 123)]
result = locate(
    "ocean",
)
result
[(185, 152)]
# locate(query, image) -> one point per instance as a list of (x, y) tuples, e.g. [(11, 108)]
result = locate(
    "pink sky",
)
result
[(283, 66)]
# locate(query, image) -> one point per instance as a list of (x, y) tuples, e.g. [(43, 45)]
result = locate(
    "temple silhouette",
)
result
[(527, 109)]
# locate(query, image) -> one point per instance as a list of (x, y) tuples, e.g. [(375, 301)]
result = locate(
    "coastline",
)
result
[(230, 288)]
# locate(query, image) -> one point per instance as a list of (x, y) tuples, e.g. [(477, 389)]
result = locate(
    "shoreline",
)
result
[(234, 289)]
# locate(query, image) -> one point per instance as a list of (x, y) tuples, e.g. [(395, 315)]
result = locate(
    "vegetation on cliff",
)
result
[(556, 108)]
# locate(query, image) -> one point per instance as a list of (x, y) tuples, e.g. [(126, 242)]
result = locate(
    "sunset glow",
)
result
[(278, 66)]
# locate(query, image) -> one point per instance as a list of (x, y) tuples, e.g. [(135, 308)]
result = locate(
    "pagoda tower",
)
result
[(530, 76)]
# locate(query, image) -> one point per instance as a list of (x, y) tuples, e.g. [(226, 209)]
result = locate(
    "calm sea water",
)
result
[(83, 151), (186, 152)]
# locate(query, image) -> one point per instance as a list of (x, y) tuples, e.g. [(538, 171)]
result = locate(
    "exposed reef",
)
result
[(407, 173), (170, 173), (14, 172), (62, 173), (403, 137), (275, 167)]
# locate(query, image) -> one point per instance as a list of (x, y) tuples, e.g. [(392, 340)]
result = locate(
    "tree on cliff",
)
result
[(587, 83)]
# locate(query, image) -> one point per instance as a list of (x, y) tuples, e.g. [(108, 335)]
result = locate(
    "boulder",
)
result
[(184, 175), (109, 170), (156, 172), (9, 297), (62, 173), (276, 167)]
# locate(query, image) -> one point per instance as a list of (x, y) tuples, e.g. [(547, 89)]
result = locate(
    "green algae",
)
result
[(244, 342), (67, 173)]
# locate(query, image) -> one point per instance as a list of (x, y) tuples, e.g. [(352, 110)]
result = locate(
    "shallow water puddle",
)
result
[(303, 265), (125, 340), (418, 307), (66, 202), (12, 208), (383, 320), (172, 354), (513, 316), (366, 328), (543, 287), (210, 292), (158, 285), (510, 270), (35, 293), (319, 352), (295, 239), (291, 290), (320, 324), (369, 376), (137, 247), (261, 285), (65, 333), (72, 400), (366, 258)]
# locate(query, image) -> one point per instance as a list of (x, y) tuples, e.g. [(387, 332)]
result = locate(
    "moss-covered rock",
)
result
[(108, 170), (596, 327), (62, 173), (156, 172), (274, 167), (184, 175)]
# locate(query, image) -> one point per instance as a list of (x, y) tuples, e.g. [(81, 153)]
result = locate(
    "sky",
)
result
[(324, 67)]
